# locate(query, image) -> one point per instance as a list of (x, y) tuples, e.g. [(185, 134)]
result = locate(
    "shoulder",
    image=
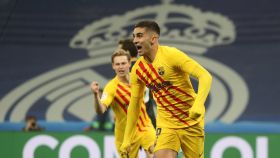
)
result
[(111, 85), (172, 53), (136, 65)]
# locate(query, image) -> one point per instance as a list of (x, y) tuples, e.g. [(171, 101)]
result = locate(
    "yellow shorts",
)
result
[(191, 140), (144, 139)]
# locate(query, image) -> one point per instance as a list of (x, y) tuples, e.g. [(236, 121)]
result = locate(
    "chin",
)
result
[(140, 53), (121, 74)]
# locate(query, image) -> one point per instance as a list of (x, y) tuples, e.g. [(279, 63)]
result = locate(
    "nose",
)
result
[(135, 41), (121, 66)]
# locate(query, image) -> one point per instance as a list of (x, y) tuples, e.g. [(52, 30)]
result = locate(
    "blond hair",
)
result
[(120, 52)]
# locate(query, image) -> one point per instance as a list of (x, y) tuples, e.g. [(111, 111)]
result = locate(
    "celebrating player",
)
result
[(180, 109), (117, 94)]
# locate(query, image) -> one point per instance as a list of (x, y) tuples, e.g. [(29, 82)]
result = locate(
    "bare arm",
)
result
[(98, 106)]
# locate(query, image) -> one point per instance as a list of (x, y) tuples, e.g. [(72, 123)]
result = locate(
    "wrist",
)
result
[(96, 94)]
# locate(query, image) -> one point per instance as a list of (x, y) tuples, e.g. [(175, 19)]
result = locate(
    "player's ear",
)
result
[(113, 65), (154, 38)]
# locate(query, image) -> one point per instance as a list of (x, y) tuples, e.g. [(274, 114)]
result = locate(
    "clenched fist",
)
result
[(94, 87)]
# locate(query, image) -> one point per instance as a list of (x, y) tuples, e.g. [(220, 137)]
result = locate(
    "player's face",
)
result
[(143, 40), (121, 65)]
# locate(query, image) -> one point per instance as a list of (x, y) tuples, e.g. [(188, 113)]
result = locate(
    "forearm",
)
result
[(204, 85), (98, 106), (133, 113)]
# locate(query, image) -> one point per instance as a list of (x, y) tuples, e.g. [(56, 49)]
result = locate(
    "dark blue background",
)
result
[(35, 34)]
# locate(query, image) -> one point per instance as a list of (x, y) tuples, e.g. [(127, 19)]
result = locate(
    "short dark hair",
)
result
[(120, 52), (128, 45), (150, 25)]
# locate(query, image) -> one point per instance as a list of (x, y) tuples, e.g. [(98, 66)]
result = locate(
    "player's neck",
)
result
[(150, 57), (124, 79), (133, 59)]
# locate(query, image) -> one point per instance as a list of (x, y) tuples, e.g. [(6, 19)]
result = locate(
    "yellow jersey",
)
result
[(168, 77), (117, 95)]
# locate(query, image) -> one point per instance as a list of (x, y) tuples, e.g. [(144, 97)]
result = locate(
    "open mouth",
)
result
[(139, 47)]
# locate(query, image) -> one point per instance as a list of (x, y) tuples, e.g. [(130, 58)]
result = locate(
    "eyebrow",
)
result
[(139, 33)]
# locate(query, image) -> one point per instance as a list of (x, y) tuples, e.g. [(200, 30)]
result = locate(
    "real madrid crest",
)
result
[(193, 30), (161, 70)]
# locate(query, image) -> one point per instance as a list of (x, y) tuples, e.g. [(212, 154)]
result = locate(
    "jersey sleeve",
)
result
[(137, 86), (190, 66), (137, 94), (108, 94)]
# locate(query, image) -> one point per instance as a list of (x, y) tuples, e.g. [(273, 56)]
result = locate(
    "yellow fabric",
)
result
[(169, 79), (144, 139), (189, 139), (117, 95)]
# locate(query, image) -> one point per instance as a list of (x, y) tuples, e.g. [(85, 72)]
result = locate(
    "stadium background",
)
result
[(42, 74)]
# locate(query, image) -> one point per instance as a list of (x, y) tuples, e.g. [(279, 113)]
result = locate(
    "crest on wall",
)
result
[(64, 92)]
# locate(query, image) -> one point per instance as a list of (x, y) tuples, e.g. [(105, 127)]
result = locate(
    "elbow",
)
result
[(100, 108), (99, 111), (207, 78)]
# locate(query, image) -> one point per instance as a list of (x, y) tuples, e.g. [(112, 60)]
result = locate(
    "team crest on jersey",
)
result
[(161, 70)]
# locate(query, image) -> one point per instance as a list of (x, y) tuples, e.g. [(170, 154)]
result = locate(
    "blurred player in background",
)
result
[(128, 45), (116, 94), (180, 110), (31, 124)]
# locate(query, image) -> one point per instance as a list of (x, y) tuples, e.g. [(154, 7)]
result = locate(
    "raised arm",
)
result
[(98, 106)]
